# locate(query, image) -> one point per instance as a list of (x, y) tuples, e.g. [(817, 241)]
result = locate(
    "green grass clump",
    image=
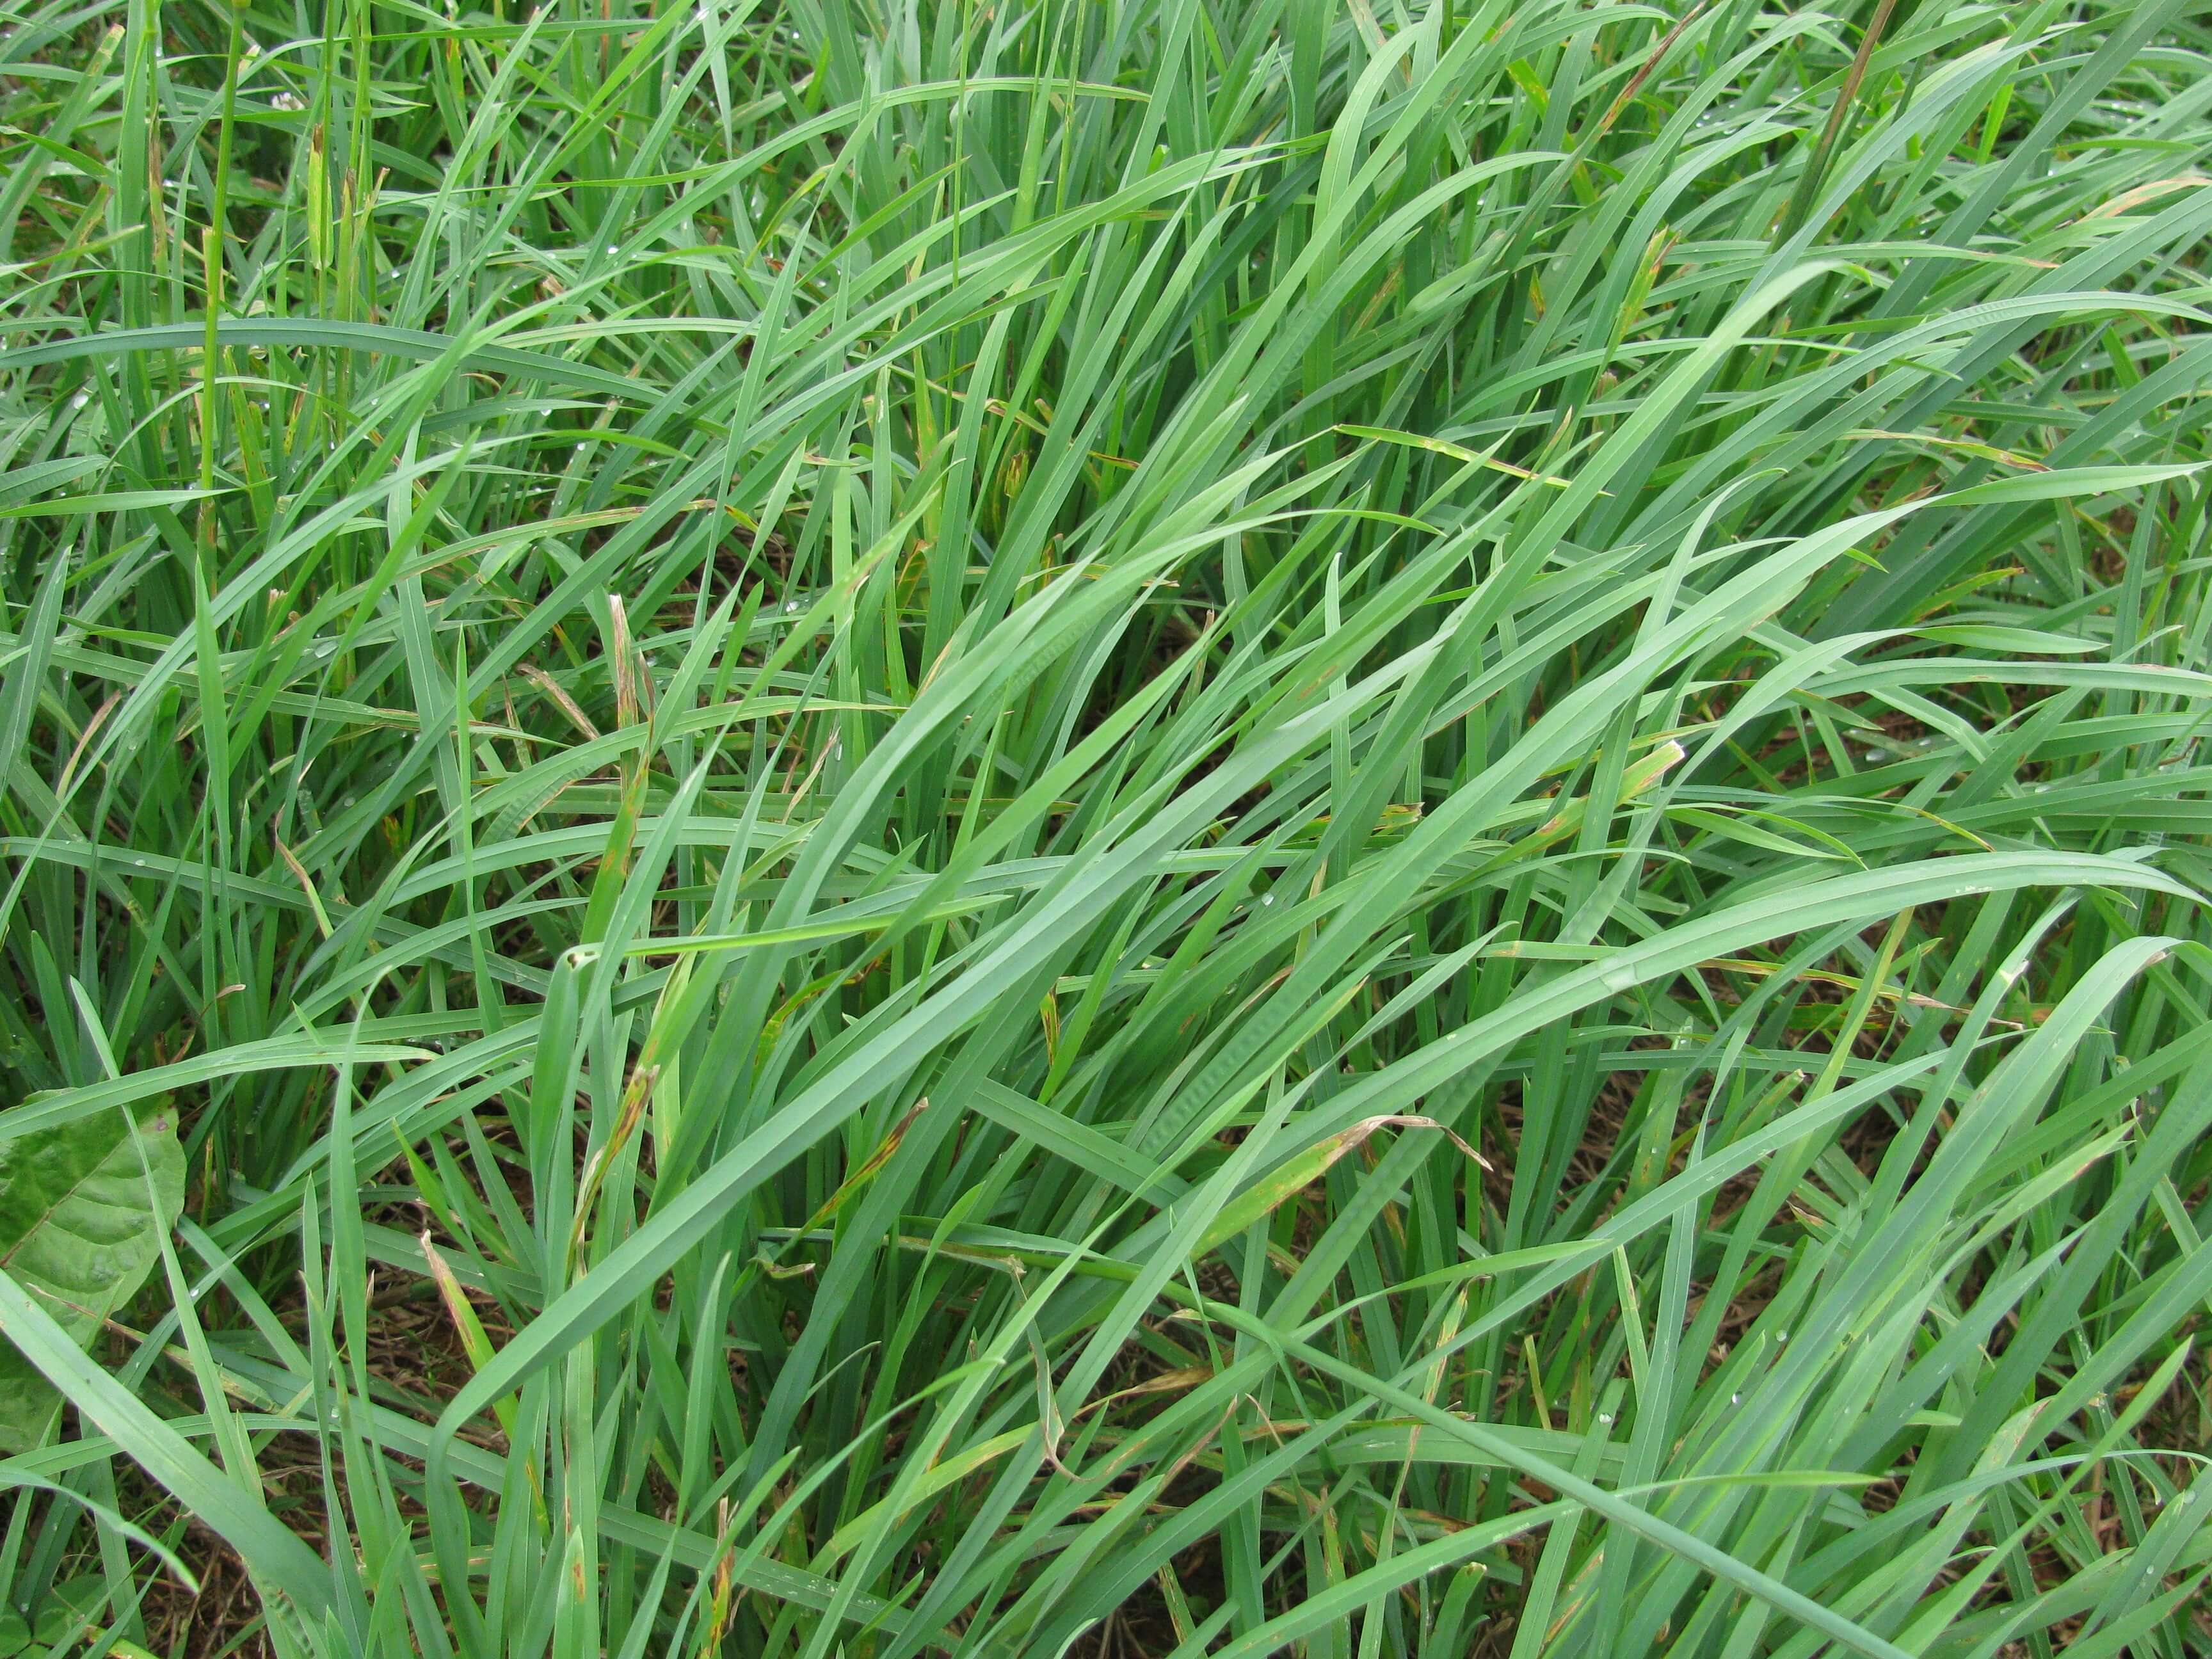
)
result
[(1115, 827)]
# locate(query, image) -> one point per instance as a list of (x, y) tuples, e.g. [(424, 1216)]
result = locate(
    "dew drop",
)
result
[(1735, 1399), (1620, 978), (1267, 898)]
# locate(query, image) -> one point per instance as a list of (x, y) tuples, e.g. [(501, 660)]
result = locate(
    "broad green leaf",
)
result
[(82, 1207)]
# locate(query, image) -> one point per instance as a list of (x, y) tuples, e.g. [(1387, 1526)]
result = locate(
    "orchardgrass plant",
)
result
[(1105, 828)]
